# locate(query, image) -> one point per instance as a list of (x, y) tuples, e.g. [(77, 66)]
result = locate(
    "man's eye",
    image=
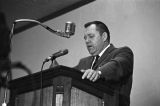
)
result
[(91, 36), (85, 37)]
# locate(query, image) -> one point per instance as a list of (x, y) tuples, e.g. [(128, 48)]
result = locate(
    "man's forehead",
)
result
[(91, 28)]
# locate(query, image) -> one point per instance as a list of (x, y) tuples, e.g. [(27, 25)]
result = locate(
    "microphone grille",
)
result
[(70, 28), (65, 51)]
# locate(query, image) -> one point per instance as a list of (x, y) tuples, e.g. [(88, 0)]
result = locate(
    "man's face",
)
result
[(94, 41)]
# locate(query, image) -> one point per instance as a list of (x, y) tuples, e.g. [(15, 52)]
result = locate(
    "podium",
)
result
[(60, 86)]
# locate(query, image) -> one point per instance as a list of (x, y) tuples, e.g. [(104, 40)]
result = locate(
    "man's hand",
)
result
[(90, 74)]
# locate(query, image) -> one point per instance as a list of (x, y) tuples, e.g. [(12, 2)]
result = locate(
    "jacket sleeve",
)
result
[(119, 67)]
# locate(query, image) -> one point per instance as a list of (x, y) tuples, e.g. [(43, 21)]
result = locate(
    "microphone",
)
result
[(57, 54), (69, 30), (69, 27)]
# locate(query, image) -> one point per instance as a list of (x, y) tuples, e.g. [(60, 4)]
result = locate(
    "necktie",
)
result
[(95, 61)]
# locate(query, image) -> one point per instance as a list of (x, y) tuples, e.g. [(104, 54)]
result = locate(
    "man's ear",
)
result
[(104, 36)]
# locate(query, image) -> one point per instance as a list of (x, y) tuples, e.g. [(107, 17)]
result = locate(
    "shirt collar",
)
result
[(104, 50)]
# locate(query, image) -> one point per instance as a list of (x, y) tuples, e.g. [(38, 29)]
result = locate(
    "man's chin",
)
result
[(91, 52)]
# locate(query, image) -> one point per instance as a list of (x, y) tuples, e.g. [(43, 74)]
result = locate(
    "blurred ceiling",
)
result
[(41, 10)]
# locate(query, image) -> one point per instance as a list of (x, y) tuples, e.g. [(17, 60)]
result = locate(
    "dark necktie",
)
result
[(95, 61)]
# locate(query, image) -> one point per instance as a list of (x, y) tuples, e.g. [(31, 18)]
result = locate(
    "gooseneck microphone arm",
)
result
[(57, 32)]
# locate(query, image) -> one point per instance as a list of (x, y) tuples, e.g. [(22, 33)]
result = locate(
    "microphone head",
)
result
[(57, 54), (61, 53), (69, 28), (65, 51)]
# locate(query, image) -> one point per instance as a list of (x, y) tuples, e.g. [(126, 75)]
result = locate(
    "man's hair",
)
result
[(100, 26)]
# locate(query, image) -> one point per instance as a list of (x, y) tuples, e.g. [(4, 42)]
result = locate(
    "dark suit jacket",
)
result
[(116, 65)]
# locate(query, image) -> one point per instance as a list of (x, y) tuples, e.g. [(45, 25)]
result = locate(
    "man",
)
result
[(114, 65)]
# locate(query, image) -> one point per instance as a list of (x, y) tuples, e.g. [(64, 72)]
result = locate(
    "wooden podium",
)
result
[(62, 86)]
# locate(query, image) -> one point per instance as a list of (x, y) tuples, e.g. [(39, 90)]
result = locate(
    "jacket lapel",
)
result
[(104, 56), (85, 63), (89, 63)]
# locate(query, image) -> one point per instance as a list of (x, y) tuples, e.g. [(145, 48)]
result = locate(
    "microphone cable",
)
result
[(41, 84)]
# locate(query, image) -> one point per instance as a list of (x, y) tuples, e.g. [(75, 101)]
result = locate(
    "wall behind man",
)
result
[(133, 23)]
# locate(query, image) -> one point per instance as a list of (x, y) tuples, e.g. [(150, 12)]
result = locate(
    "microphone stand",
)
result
[(57, 32), (5, 89), (41, 87), (8, 74)]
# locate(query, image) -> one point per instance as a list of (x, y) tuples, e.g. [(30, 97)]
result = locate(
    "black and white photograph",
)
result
[(79, 53)]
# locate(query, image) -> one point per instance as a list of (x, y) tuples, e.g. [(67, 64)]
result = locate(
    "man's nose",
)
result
[(87, 40)]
